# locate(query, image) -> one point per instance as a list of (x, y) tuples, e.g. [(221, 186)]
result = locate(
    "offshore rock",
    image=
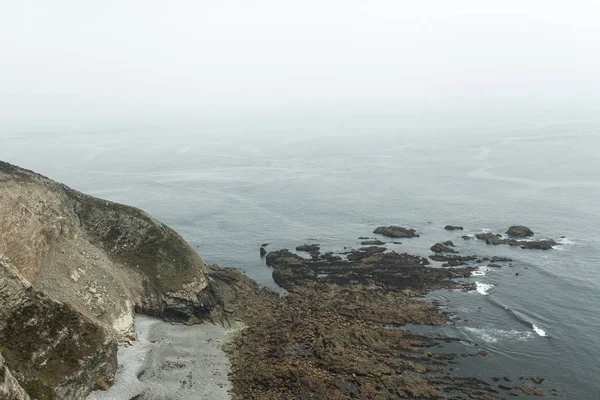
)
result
[(453, 228), (496, 239), (309, 248), (443, 248), (396, 232), (519, 231)]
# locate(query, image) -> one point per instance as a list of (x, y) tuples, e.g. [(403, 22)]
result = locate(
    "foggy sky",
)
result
[(68, 60)]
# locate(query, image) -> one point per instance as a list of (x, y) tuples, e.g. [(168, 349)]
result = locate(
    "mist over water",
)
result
[(228, 194), (243, 123)]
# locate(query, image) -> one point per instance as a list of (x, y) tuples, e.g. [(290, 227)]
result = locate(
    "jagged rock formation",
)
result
[(88, 264), (103, 258), (51, 349), (9, 387)]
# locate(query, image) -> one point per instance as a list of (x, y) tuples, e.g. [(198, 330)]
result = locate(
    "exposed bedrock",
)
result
[(78, 267), (51, 349)]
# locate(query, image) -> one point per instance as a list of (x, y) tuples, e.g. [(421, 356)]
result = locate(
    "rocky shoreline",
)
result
[(338, 332), (74, 269)]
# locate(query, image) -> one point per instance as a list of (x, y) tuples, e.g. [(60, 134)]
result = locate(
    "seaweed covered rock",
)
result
[(396, 232), (340, 326)]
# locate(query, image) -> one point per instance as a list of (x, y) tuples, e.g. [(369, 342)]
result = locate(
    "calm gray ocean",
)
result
[(228, 194)]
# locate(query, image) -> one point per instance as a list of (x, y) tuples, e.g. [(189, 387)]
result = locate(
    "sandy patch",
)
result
[(171, 362)]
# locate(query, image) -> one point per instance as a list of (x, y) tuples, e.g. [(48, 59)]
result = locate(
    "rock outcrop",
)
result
[(453, 228), (519, 231), (51, 349), (496, 239), (9, 387), (443, 248), (103, 258), (74, 269), (396, 232), (310, 248)]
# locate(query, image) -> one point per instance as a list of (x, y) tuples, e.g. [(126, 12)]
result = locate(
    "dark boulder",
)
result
[(519, 231), (372, 243), (263, 252), (453, 228), (309, 248), (442, 248), (396, 232)]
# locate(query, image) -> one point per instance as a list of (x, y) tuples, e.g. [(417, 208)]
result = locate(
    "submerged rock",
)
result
[(396, 232), (452, 260), (309, 248), (442, 248), (453, 228), (372, 243)]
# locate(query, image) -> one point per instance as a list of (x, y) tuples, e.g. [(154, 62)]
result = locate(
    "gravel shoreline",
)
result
[(170, 361)]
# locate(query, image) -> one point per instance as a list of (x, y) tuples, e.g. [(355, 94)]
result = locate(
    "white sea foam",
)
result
[(482, 288), (539, 331), (565, 242), (492, 335), (481, 271)]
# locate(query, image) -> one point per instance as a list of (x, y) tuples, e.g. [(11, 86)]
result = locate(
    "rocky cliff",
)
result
[(73, 271)]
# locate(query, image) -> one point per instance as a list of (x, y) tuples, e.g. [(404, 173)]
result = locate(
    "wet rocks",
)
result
[(531, 390), (263, 252), (452, 260), (519, 231), (364, 252), (309, 248), (372, 243), (496, 239), (396, 232), (337, 328), (442, 248), (453, 228)]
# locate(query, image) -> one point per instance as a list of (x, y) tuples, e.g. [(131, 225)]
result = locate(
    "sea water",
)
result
[(227, 195)]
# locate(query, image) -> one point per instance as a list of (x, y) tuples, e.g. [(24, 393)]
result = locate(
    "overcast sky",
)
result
[(66, 60)]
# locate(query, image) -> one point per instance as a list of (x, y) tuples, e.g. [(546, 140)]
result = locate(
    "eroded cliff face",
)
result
[(51, 349), (9, 386), (73, 271), (103, 258)]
